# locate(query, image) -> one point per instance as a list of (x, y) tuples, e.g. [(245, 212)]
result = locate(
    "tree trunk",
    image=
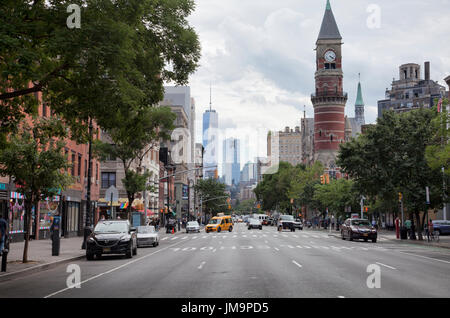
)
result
[(28, 208), (130, 202), (419, 225)]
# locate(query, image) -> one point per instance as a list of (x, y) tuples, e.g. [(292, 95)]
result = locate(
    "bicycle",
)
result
[(434, 236)]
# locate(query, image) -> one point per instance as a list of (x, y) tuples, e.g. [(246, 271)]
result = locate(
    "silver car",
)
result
[(192, 226), (147, 236)]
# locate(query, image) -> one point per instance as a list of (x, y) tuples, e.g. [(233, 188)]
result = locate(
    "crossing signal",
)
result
[(322, 179), (216, 174), (327, 177), (400, 197)]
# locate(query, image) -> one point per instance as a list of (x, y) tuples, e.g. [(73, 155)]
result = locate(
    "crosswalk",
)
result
[(246, 235), (276, 248)]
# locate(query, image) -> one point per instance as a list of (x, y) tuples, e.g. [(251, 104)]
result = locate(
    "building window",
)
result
[(333, 66), (73, 164), (108, 179), (96, 175), (327, 66), (79, 165), (44, 110)]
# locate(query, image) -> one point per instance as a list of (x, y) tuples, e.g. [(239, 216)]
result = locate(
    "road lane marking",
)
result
[(295, 235), (276, 249), (431, 258), (306, 246), (184, 238), (194, 237), (299, 246), (297, 264), (164, 238), (174, 238), (385, 265), (341, 296), (111, 270), (201, 265)]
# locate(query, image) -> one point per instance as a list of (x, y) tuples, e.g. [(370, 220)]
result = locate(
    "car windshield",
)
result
[(146, 229), (287, 218), (215, 221), (254, 221), (361, 223), (192, 223), (111, 227)]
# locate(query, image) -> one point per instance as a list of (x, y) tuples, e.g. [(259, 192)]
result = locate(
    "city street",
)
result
[(250, 263)]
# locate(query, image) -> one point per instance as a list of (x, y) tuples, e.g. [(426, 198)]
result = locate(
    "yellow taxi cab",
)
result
[(220, 223)]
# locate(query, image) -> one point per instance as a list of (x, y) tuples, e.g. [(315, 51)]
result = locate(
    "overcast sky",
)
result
[(259, 56)]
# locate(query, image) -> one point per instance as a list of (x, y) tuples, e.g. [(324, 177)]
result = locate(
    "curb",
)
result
[(38, 268)]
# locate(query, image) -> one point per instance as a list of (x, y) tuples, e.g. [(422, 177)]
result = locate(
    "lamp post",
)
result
[(87, 229)]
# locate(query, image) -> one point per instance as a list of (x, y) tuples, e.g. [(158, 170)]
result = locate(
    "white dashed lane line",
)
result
[(385, 265), (297, 264)]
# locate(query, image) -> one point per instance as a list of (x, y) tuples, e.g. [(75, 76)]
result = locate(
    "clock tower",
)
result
[(329, 98)]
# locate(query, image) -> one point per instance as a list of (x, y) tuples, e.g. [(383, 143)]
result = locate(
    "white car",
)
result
[(192, 226), (147, 236)]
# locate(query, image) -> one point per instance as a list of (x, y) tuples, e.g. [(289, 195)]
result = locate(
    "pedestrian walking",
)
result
[(3, 232), (430, 229)]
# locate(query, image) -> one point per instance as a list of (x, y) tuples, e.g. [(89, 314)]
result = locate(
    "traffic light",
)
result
[(400, 197), (229, 207), (366, 209), (322, 179), (216, 174), (327, 176)]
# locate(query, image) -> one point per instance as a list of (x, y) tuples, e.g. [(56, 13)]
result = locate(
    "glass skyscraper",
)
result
[(210, 142), (231, 161)]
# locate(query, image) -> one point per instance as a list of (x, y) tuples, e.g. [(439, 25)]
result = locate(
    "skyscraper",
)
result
[(231, 161), (210, 141)]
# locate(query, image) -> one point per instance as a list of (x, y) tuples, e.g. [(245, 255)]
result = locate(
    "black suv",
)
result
[(112, 237), (286, 222)]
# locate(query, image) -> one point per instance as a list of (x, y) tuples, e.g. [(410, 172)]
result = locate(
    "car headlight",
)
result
[(91, 240), (354, 229), (125, 238)]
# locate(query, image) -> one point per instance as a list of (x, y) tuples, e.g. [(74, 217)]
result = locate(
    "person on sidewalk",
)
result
[(430, 229), (3, 231)]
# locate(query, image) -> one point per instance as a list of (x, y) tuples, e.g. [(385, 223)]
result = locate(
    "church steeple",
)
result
[(329, 29), (359, 105)]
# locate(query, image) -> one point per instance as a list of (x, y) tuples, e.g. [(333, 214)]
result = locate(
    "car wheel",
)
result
[(342, 235), (374, 240), (350, 237), (89, 256), (155, 244), (365, 240), (219, 229), (230, 229), (129, 253), (98, 255), (135, 250)]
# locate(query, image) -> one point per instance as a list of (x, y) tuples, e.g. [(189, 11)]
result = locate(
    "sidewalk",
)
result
[(40, 256), (444, 241)]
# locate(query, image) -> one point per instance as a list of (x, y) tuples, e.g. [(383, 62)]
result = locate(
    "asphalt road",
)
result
[(251, 264)]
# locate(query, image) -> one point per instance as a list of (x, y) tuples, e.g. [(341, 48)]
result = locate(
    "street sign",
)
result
[(115, 194)]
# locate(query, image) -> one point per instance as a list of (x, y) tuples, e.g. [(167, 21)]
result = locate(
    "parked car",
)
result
[(192, 226), (147, 236), (355, 229), (286, 222), (298, 224), (112, 237), (254, 224), (220, 223), (270, 221), (442, 226)]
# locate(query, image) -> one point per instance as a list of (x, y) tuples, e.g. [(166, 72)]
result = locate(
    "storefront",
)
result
[(48, 208), (16, 217)]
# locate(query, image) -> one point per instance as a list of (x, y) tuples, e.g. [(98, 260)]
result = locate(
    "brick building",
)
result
[(71, 203)]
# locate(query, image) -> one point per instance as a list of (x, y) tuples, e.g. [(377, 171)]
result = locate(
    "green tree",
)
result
[(132, 138), (213, 195), (390, 158), (438, 152), (35, 161), (273, 191), (304, 183), (117, 61), (336, 196)]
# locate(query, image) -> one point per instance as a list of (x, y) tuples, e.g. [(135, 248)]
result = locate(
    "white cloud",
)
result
[(259, 56)]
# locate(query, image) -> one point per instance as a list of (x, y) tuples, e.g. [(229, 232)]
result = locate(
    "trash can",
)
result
[(403, 233)]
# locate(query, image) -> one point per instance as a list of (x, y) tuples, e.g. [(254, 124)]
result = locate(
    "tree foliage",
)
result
[(35, 160), (213, 195), (117, 61)]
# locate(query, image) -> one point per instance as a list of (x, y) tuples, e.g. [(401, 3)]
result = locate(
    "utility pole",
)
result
[(362, 206)]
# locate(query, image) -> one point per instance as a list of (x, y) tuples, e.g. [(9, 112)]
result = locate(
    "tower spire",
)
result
[(210, 96), (359, 104), (329, 28)]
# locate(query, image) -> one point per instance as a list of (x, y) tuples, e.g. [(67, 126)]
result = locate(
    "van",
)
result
[(262, 217), (220, 223)]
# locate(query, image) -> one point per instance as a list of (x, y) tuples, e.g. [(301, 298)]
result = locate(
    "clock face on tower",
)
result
[(330, 56)]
